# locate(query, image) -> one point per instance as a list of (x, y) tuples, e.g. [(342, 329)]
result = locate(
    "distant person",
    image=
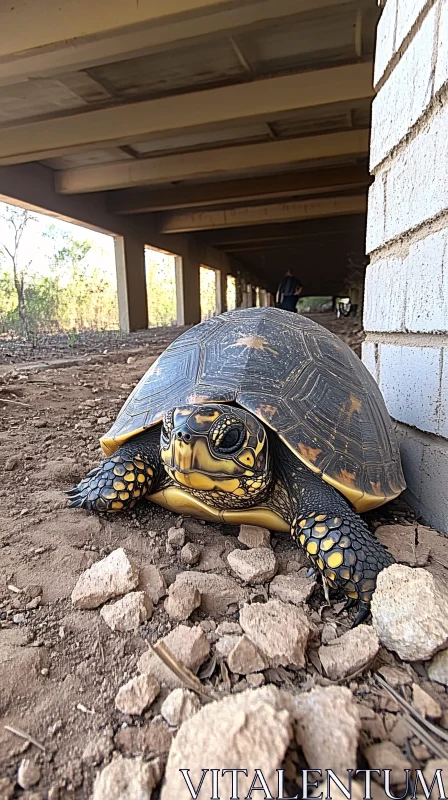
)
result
[(288, 292)]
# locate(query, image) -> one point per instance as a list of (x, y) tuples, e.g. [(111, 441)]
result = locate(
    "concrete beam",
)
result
[(139, 201), (108, 33), (213, 163), (131, 283), (186, 221), (347, 225), (118, 125)]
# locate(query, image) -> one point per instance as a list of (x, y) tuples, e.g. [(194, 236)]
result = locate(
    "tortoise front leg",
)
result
[(134, 470), (340, 545)]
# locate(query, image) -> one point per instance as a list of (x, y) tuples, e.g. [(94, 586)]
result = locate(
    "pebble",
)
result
[(329, 633), (424, 703), (255, 679), (218, 592), (112, 576), (131, 360), (438, 668), (253, 566), (394, 676), (152, 583), (386, 755), (228, 627), (182, 601), (245, 658), (137, 694), (6, 789), (11, 463), (188, 645), (224, 733), (180, 705), (130, 778), (350, 653), (176, 538), (294, 588), (226, 643), (99, 748), (410, 612), (28, 774), (254, 536), (279, 630), (128, 613), (190, 554)]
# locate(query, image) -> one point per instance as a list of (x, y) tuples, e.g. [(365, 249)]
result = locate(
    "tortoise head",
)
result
[(217, 449)]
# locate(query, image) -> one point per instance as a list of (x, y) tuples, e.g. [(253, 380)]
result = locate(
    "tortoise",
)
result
[(264, 417)]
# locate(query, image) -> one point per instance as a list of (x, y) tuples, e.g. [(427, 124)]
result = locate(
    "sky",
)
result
[(37, 248)]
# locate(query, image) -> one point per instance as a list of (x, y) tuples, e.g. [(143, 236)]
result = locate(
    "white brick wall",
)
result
[(406, 293)]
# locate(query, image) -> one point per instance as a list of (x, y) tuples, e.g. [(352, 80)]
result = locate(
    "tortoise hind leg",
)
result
[(121, 480)]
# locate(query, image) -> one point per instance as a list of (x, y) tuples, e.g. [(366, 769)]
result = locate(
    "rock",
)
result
[(250, 729), (245, 658), (336, 744), (279, 630), (253, 566), (424, 703), (226, 643), (152, 583), (218, 592), (28, 774), (131, 360), (386, 755), (112, 576), (190, 554), (410, 612), (255, 679), (431, 766), (438, 668), (400, 733), (176, 538), (6, 789), (128, 612), (182, 601), (329, 633), (180, 705), (151, 739), (188, 645), (254, 536), (137, 694), (350, 653), (99, 748), (294, 588), (11, 463), (228, 627), (394, 676), (130, 778)]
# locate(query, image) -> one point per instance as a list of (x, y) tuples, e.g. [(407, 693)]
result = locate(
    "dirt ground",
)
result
[(60, 669)]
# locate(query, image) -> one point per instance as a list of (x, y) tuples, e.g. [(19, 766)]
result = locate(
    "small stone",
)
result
[(137, 694), (438, 668), (226, 643), (228, 627), (112, 576), (410, 612), (11, 463), (430, 768), (208, 625), (350, 653), (294, 588), (279, 630), (6, 789), (181, 601), (190, 554), (127, 613), (254, 536), (130, 778), (131, 360), (386, 755), (424, 703), (28, 774), (99, 748), (394, 676), (245, 658), (329, 633), (253, 566), (176, 538), (218, 592), (255, 679), (152, 583), (180, 705), (335, 744), (189, 645), (400, 733)]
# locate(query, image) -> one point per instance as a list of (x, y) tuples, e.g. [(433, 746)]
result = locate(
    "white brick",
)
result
[(425, 464), (410, 383), (427, 285), (385, 38), (441, 76), (405, 95), (385, 295), (375, 216), (408, 11), (368, 352), (417, 182)]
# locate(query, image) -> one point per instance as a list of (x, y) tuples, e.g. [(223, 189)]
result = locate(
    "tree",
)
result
[(17, 220)]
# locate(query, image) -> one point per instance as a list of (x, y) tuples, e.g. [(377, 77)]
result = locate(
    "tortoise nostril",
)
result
[(179, 435), (187, 437)]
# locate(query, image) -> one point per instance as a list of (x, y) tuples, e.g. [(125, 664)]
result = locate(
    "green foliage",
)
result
[(207, 283), (320, 303), (161, 288)]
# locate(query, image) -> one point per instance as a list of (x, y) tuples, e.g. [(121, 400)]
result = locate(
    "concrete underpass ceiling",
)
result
[(243, 124)]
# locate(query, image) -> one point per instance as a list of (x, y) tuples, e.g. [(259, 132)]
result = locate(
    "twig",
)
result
[(181, 671), (16, 402), (418, 721), (24, 735)]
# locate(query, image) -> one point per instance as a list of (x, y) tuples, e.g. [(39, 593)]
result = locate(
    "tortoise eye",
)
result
[(232, 440)]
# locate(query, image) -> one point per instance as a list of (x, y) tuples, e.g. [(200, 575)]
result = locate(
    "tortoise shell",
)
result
[(301, 380)]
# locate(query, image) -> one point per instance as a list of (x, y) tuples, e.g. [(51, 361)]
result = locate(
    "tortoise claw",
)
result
[(363, 613)]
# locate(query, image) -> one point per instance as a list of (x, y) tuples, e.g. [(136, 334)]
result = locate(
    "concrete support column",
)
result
[(406, 290), (221, 291), (131, 283), (188, 299)]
